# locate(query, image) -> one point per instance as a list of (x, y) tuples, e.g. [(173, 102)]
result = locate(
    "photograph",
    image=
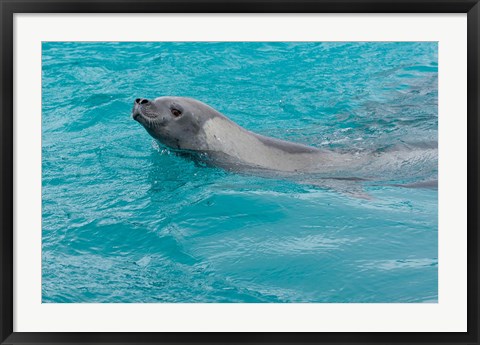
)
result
[(239, 172)]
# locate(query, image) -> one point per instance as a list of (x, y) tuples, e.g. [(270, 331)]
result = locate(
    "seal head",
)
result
[(173, 121)]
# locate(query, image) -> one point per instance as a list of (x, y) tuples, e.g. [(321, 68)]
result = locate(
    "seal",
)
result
[(198, 131), (192, 127)]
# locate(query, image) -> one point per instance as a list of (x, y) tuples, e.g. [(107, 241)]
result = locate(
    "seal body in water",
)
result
[(197, 130), (189, 125)]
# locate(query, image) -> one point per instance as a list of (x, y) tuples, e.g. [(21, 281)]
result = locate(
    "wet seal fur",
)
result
[(196, 130), (191, 126)]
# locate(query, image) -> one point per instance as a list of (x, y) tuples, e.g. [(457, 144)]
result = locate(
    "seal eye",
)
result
[(176, 112)]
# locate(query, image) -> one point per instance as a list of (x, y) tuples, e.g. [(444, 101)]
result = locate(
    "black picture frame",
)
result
[(9, 7)]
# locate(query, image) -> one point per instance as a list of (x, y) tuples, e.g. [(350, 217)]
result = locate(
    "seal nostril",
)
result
[(138, 100), (144, 101)]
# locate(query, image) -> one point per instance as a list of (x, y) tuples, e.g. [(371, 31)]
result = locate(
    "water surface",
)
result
[(125, 220)]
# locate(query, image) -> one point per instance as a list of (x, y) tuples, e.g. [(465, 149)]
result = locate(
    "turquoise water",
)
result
[(125, 220)]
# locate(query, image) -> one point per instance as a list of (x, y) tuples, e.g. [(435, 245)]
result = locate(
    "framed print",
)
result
[(241, 172)]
